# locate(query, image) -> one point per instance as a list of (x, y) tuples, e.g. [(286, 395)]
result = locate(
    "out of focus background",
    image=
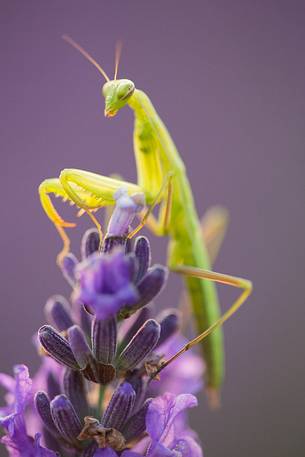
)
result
[(228, 80)]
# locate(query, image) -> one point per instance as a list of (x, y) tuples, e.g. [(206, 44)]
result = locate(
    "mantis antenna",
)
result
[(118, 51), (87, 56)]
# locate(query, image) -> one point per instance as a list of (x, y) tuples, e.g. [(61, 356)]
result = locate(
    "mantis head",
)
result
[(116, 91)]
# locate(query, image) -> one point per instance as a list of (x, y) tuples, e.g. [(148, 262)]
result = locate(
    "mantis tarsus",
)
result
[(162, 179)]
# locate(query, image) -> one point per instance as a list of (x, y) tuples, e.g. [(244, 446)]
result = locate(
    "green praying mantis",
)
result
[(163, 181)]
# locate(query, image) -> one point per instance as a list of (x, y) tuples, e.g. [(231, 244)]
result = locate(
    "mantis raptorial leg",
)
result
[(88, 191)]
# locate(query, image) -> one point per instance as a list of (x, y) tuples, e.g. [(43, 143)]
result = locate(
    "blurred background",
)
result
[(228, 80)]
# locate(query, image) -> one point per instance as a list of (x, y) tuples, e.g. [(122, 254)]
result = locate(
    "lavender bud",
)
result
[(57, 346), (42, 404), (65, 418), (68, 268), (104, 339), (90, 243), (143, 342), (75, 389), (119, 407), (142, 317), (58, 312), (143, 255), (136, 425), (79, 346), (170, 323), (150, 285)]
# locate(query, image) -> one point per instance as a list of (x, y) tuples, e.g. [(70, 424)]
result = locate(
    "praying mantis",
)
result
[(163, 181)]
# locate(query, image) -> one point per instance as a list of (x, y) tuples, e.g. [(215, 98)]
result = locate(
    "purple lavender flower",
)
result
[(165, 424), (105, 284), (116, 283), (17, 441)]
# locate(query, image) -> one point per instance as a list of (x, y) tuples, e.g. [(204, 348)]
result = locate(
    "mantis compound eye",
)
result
[(125, 90)]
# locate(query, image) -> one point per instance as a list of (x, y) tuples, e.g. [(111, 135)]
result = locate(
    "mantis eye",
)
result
[(125, 90)]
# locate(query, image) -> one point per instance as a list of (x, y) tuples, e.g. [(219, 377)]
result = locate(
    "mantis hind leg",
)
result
[(244, 284)]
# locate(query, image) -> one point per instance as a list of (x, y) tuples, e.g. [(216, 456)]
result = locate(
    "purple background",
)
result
[(228, 79)]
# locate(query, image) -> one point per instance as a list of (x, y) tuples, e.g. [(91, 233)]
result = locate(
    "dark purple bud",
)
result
[(141, 345), (79, 346), (150, 286), (90, 243), (68, 268), (58, 312), (42, 404), (75, 389), (53, 386), (136, 425), (120, 407), (143, 255), (170, 321), (142, 317), (104, 339), (57, 346), (65, 418)]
